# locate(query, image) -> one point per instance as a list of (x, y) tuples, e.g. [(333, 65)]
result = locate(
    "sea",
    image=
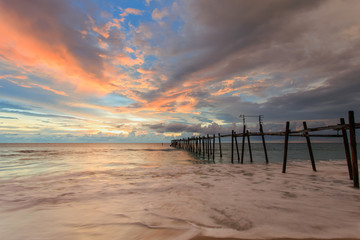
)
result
[(22, 160), (118, 191)]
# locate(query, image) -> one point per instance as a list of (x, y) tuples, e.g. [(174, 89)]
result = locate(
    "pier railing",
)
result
[(205, 145)]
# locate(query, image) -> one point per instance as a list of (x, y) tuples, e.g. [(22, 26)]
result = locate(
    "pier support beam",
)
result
[(248, 137), (287, 131), (308, 142), (347, 149), (237, 147), (243, 144), (263, 142), (353, 149), (232, 146), (214, 148), (220, 145)]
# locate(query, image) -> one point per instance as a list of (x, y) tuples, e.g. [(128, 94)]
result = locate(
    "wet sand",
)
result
[(214, 238)]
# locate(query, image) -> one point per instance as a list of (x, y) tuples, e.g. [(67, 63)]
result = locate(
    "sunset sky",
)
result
[(152, 70)]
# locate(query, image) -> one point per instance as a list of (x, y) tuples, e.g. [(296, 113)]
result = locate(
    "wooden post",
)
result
[(197, 145), (220, 145), (232, 146), (237, 147), (308, 142), (347, 149), (214, 148), (243, 144), (208, 146), (287, 131), (263, 142), (248, 137), (203, 145), (353, 149)]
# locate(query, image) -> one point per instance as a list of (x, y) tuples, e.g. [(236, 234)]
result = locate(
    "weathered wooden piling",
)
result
[(353, 149), (243, 144), (287, 131), (208, 146), (346, 148), (214, 147), (203, 145), (249, 144), (263, 142), (232, 146), (237, 147), (308, 142), (220, 145)]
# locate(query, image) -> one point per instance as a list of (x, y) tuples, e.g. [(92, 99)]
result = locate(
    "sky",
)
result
[(154, 70)]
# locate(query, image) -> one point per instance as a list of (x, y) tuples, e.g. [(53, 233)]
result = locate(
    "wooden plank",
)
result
[(299, 133), (287, 131), (308, 142), (347, 149), (353, 149)]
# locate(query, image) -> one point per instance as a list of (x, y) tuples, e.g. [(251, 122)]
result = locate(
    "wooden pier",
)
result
[(205, 145)]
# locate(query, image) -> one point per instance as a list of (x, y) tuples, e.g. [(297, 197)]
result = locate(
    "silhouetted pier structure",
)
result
[(205, 145)]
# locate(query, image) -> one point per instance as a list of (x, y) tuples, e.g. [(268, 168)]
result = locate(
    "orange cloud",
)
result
[(158, 15), (25, 47), (105, 29), (128, 11)]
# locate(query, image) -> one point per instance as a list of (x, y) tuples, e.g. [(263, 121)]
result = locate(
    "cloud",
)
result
[(35, 114), (8, 117), (259, 54), (213, 128), (182, 67), (159, 14), (128, 11), (60, 39), (23, 81), (12, 106)]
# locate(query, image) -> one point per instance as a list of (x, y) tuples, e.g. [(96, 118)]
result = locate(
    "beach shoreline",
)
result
[(90, 192), (215, 238)]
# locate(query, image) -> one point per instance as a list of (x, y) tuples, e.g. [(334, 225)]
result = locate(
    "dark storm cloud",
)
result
[(331, 101), (215, 31), (306, 54)]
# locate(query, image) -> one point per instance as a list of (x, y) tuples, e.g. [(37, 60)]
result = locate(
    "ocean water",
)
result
[(24, 160), (129, 191), (275, 151)]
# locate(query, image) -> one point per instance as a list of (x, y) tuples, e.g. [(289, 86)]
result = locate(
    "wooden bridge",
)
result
[(205, 145)]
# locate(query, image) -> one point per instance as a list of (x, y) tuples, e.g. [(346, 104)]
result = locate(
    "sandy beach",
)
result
[(212, 238), (197, 202)]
